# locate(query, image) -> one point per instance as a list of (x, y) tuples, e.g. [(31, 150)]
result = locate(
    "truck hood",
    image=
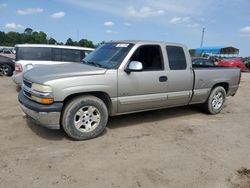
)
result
[(44, 73)]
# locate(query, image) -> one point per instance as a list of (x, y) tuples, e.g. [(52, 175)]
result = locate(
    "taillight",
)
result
[(240, 77), (18, 68)]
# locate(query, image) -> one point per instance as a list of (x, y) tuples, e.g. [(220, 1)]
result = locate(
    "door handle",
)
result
[(163, 78)]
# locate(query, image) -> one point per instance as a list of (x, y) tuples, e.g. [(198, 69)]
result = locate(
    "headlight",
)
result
[(42, 94), (41, 88)]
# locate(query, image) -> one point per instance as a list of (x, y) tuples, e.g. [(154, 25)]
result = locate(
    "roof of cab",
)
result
[(147, 42), (53, 46)]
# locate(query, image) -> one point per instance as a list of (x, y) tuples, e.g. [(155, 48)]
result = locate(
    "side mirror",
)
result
[(134, 66)]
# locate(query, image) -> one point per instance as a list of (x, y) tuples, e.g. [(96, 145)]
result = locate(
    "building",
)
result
[(215, 51)]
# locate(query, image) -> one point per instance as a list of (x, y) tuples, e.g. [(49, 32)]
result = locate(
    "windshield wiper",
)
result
[(93, 63)]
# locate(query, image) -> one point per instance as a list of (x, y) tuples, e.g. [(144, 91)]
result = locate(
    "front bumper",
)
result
[(45, 115)]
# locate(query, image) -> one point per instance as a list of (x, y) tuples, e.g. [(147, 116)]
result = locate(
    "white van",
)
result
[(31, 55)]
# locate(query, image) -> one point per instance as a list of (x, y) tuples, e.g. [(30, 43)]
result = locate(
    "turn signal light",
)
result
[(43, 100), (47, 101)]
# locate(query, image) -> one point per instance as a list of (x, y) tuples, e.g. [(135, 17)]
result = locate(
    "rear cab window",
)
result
[(176, 58)]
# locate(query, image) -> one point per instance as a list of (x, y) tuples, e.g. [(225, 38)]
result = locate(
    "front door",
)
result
[(146, 89)]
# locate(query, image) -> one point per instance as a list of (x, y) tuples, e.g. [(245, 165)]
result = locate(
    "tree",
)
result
[(86, 43), (28, 31), (39, 37), (52, 41), (12, 38), (69, 42), (33, 37), (2, 37)]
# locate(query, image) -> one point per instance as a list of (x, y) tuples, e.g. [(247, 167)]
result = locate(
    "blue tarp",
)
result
[(206, 50), (217, 50)]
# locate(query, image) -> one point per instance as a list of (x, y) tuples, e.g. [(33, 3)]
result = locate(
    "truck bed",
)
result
[(205, 78)]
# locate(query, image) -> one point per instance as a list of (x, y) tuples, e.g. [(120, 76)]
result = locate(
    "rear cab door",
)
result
[(180, 75)]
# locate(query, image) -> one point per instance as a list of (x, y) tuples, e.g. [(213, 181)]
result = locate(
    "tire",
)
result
[(84, 117), (216, 100), (6, 70)]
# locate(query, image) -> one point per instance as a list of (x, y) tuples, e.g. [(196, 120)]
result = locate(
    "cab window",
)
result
[(176, 58), (150, 56)]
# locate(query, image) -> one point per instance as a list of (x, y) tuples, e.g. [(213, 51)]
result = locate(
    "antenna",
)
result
[(202, 36)]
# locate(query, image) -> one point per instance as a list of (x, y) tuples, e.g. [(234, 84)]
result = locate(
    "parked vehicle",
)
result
[(31, 55), (7, 66), (235, 62), (120, 78), (7, 51), (202, 62), (246, 61)]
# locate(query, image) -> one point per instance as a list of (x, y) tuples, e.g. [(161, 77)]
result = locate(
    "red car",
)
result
[(236, 62)]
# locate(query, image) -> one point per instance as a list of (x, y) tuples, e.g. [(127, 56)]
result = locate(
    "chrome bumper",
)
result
[(50, 120)]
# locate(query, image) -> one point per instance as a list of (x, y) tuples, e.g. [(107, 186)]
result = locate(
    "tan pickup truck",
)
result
[(119, 78)]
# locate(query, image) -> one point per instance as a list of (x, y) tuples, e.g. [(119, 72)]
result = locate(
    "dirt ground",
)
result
[(180, 147)]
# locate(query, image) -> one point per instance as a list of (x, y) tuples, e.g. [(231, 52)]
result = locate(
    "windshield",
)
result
[(108, 55)]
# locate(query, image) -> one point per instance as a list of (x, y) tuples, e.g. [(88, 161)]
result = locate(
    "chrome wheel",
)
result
[(87, 119), (4, 71), (217, 100)]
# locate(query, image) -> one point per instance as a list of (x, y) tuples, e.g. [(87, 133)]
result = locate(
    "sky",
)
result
[(226, 22)]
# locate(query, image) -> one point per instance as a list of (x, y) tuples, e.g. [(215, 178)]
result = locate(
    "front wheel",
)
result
[(216, 100), (84, 117)]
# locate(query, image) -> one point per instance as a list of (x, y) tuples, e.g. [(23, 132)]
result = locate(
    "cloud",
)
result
[(110, 31), (58, 15), (144, 12), (127, 24), (13, 26), (3, 5), (179, 20), (150, 9), (184, 21), (245, 30), (130, 8), (142, 8), (29, 11), (193, 25), (109, 23)]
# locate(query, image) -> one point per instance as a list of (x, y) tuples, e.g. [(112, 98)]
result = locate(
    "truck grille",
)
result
[(27, 88), (27, 83), (27, 94)]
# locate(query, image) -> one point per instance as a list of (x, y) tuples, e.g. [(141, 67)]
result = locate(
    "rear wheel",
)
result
[(216, 100), (85, 117), (6, 70)]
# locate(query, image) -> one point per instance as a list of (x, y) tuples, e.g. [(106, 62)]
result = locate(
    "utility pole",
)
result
[(202, 36), (77, 35)]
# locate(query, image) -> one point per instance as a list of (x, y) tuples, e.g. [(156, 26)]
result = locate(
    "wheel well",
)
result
[(101, 95), (223, 84)]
